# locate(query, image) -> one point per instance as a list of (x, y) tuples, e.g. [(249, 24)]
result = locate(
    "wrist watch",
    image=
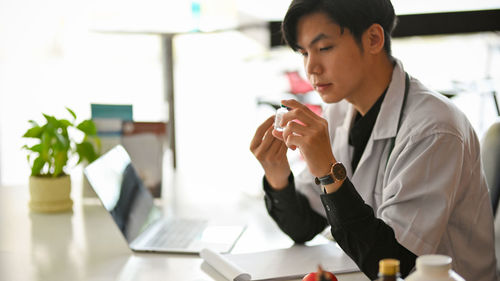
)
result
[(337, 173)]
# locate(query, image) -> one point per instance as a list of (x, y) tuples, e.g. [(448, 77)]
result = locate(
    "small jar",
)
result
[(279, 116), (388, 270), (434, 268)]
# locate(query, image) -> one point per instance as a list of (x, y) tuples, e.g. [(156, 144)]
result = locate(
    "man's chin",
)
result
[(329, 98)]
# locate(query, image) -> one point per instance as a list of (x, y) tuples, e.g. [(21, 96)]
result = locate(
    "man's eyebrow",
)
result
[(318, 37)]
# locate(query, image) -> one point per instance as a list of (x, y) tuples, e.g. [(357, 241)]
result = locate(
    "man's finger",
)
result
[(298, 113), (276, 146), (260, 132), (291, 103), (267, 145), (293, 141), (278, 134)]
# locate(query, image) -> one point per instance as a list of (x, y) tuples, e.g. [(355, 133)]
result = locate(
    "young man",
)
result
[(393, 167)]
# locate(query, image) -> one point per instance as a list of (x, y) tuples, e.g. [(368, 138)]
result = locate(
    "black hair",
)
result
[(355, 15)]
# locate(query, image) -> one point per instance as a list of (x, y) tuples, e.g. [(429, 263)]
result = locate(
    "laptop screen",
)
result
[(121, 191)]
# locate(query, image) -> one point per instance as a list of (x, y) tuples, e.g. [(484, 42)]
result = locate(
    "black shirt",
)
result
[(362, 129), (362, 236)]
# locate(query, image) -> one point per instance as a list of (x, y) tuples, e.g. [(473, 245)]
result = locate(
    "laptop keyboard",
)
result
[(177, 233)]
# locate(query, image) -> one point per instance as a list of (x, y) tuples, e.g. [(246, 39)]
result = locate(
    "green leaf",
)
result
[(60, 160), (62, 142), (33, 123), (97, 144), (34, 132), (53, 125), (37, 166), (86, 151), (65, 123), (88, 127), (71, 112), (45, 143), (50, 119), (35, 148), (64, 133)]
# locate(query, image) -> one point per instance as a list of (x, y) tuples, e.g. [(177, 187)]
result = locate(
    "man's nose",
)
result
[(313, 65)]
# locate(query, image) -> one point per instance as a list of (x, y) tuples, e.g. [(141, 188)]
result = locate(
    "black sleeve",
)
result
[(365, 238), (292, 212)]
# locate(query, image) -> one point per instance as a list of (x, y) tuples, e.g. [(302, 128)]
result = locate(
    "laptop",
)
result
[(145, 227)]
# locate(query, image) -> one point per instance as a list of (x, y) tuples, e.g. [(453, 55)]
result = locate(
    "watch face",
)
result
[(338, 171)]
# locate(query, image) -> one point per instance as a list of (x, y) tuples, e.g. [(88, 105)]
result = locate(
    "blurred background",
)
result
[(72, 53)]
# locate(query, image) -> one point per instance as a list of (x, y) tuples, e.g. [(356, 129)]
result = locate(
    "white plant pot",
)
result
[(50, 195)]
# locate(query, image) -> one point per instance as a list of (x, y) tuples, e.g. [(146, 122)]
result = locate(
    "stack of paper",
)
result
[(108, 119), (144, 141)]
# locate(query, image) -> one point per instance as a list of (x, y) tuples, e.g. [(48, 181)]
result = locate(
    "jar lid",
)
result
[(389, 267), (434, 262)]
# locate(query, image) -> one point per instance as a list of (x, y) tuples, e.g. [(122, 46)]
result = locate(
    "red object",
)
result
[(314, 276), (315, 108), (133, 128), (298, 85)]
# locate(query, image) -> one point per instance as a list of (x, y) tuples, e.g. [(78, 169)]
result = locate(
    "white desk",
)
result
[(86, 245)]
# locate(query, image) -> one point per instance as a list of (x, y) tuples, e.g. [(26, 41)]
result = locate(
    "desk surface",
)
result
[(85, 244)]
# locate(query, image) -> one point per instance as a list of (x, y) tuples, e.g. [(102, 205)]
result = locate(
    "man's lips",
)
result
[(321, 86)]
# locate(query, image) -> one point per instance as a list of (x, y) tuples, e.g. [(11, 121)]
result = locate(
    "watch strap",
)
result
[(325, 180)]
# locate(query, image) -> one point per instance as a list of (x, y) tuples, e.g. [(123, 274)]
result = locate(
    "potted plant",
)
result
[(55, 145)]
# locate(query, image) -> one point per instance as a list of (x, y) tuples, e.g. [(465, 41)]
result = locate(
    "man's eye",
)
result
[(304, 54), (326, 48)]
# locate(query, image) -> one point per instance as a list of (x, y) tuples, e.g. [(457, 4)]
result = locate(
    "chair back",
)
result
[(490, 154)]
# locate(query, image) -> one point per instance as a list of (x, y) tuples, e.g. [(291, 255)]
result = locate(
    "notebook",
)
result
[(279, 264), (144, 225)]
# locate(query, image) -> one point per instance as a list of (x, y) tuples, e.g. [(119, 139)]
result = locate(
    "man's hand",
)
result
[(271, 153), (307, 131)]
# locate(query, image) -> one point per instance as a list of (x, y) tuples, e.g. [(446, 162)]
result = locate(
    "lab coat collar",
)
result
[(341, 141), (386, 125)]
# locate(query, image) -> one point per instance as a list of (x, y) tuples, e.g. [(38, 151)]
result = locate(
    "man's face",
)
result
[(333, 61)]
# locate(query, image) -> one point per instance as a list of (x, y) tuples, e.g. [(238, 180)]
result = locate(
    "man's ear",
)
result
[(373, 39)]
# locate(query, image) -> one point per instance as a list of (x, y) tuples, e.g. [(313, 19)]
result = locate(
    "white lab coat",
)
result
[(431, 190)]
